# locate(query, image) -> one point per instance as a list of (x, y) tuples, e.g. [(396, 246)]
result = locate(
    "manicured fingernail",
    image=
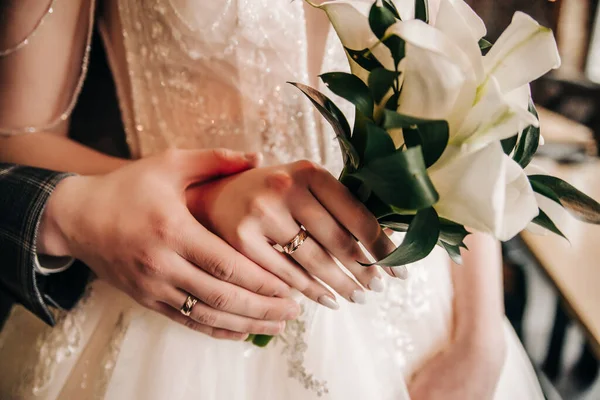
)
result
[(292, 313), (359, 297), (281, 327), (400, 272), (254, 158), (377, 284), (328, 302)]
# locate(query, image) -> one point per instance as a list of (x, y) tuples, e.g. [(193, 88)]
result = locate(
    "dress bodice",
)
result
[(196, 74)]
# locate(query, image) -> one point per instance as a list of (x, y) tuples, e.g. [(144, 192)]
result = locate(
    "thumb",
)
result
[(195, 166)]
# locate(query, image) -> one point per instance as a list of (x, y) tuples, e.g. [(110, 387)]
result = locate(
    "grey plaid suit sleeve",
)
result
[(24, 192)]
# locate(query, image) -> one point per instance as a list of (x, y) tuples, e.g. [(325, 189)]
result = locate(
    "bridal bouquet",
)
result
[(444, 124)]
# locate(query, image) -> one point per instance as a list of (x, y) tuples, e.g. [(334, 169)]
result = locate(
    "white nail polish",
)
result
[(328, 302), (359, 297), (401, 272), (377, 284)]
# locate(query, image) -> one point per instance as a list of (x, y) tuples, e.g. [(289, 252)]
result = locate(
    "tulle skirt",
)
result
[(111, 348)]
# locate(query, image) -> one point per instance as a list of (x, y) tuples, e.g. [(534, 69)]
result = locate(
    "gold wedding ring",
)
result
[(186, 308), (296, 242)]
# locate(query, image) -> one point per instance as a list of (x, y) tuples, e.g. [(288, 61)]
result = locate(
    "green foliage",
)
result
[(422, 10), (351, 88), (381, 81), (528, 142), (580, 205), (509, 144), (364, 58), (431, 135), (421, 237), (400, 179), (336, 119), (544, 221), (484, 46)]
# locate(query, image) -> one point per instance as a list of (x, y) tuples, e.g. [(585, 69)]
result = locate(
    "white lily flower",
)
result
[(524, 52), (350, 19), (493, 118), (484, 190)]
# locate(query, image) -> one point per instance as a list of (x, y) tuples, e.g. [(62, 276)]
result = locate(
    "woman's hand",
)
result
[(265, 206), (468, 369), (132, 227)]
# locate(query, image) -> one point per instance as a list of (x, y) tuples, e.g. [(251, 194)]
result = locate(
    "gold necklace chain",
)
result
[(84, 67)]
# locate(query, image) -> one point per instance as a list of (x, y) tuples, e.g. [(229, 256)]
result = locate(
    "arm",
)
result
[(469, 368), (25, 193)]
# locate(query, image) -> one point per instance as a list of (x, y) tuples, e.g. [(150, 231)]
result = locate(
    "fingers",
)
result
[(313, 257), (219, 259), (178, 317), (290, 272), (205, 315), (201, 165), (336, 239), (351, 213), (224, 296)]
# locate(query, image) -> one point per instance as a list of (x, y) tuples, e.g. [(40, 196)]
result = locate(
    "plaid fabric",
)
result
[(24, 192)]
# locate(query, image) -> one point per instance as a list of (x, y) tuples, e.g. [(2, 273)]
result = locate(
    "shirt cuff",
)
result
[(47, 265)]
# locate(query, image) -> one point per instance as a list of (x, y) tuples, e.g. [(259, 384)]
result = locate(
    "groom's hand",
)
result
[(132, 228)]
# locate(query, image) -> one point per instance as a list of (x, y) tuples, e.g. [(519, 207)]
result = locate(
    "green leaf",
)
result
[(432, 135), (377, 207), (580, 205), (392, 103), (543, 189), (359, 134), (544, 221), (379, 143), (397, 47), (400, 180), (392, 7), (453, 233), (261, 340), (421, 237), (422, 10), (380, 19), (452, 250), (380, 82), (351, 88), (393, 120), (364, 58), (450, 232), (508, 144), (336, 119), (529, 141), (484, 46)]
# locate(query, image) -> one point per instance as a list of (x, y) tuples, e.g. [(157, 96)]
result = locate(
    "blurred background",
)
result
[(552, 287)]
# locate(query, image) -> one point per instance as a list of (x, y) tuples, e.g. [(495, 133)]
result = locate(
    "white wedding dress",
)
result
[(195, 74)]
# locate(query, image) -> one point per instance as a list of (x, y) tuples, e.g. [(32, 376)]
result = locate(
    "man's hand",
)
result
[(132, 227)]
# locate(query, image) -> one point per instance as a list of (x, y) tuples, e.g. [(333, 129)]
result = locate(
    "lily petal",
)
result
[(435, 71), (524, 52), (493, 118), (350, 19), (460, 23), (484, 190)]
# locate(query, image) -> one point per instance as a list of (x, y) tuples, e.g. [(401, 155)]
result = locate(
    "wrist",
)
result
[(52, 237)]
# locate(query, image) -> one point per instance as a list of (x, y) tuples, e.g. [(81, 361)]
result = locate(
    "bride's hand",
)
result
[(265, 206), (132, 227), (468, 369)]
